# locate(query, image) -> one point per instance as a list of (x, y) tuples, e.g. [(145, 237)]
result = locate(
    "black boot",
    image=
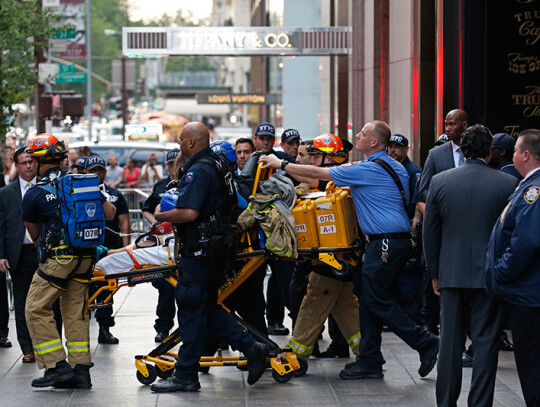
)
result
[(256, 356), (81, 380), (335, 350), (161, 336), (106, 337), (316, 352), (504, 343), (55, 375)]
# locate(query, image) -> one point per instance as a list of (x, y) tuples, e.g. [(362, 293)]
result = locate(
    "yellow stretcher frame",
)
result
[(160, 361)]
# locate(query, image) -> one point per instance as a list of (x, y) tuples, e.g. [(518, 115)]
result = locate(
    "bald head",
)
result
[(194, 137), (456, 122)]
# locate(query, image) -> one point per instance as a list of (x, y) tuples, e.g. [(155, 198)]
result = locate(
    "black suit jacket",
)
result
[(462, 206), (11, 225), (440, 158)]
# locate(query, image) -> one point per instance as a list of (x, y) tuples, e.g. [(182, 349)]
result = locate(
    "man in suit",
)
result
[(461, 209), (18, 254), (441, 158)]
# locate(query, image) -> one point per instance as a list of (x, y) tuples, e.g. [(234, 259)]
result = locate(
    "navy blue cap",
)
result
[(81, 162), (172, 154), (289, 135), (399, 139), (504, 141), (95, 161), (265, 129)]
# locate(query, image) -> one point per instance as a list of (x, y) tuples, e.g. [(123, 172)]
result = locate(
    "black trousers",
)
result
[(524, 323), (277, 291), (166, 306), (4, 307), (377, 306), (21, 279), (199, 315), (459, 306)]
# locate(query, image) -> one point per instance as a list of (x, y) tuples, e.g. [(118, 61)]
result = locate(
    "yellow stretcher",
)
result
[(331, 214)]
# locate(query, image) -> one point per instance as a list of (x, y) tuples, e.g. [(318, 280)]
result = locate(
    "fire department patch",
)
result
[(531, 194), (350, 164)]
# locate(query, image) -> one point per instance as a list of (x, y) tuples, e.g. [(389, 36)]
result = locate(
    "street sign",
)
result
[(149, 131), (63, 68), (65, 34), (71, 77), (58, 45)]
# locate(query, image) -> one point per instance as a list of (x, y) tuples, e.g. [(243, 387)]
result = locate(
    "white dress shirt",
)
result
[(25, 187)]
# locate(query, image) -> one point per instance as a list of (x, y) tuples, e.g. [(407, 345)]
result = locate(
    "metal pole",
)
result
[(124, 97), (89, 66)]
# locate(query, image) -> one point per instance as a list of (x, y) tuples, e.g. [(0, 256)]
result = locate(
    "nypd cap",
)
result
[(95, 161), (399, 139), (289, 135), (265, 129), (172, 154)]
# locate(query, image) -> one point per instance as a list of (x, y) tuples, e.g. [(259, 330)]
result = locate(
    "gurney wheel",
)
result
[(151, 375), (164, 374), (281, 379), (303, 368)]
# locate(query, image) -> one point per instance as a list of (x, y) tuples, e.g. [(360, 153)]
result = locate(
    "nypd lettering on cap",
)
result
[(399, 139), (531, 194)]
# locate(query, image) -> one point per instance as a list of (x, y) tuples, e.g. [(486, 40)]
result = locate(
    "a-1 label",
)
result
[(328, 229), (325, 218), (301, 228)]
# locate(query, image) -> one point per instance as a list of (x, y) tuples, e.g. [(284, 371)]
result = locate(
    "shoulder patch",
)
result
[(189, 177), (350, 164), (531, 194)]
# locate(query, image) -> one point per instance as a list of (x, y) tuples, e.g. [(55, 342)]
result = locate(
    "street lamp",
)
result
[(108, 31)]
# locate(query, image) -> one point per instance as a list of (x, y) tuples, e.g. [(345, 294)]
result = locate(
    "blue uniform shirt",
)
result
[(39, 205), (509, 168), (154, 199), (200, 186), (377, 200), (414, 171), (112, 238)]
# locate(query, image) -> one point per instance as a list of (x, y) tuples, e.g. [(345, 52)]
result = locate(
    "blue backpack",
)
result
[(80, 209)]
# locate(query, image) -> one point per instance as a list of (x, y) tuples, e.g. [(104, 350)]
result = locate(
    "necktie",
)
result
[(461, 158), (28, 239), (29, 185)]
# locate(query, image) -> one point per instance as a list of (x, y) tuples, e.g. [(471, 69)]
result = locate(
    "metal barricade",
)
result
[(135, 198)]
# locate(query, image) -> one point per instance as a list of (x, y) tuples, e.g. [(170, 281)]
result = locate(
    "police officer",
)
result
[(63, 272), (200, 205), (165, 307), (512, 266), (116, 236), (409, 288), (383, 218)]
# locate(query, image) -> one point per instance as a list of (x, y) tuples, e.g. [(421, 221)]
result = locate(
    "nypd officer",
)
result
[(201, 199), (165, 307), (512, 266), (383, 218), (409, 287), (116, 236), (62, 273)]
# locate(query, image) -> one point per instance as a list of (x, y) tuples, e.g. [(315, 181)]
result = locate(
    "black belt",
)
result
[(400, 235)]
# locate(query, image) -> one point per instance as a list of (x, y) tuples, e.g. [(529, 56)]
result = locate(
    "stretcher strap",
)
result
[(129, 250)]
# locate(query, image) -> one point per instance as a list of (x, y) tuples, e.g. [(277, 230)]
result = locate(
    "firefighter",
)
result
[(63, 273)]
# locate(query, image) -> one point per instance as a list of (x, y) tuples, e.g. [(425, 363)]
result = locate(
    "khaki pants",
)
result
[(74, 307), (325, 296)]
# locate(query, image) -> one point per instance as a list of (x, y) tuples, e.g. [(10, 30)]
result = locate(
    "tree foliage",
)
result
[(23, 30)]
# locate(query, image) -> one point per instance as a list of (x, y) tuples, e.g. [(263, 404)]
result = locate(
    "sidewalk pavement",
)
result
[(115, 383)]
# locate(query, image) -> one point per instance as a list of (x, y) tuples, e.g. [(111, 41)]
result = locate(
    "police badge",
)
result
[(531, 194)]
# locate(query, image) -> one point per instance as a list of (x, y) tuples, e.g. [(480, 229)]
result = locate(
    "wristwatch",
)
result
[(284, 164)]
